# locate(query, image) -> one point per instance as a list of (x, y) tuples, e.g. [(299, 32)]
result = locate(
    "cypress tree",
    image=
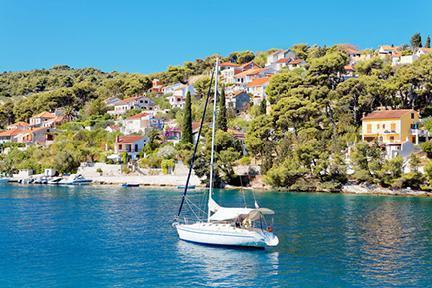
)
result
[(223, 122), (187, 121), (263, 107), (427, 44)]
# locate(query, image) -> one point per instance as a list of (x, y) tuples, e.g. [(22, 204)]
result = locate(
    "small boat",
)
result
[(217, 225), (41, 180), (54, 180), (75, 179), (126, 185), (183, 186)]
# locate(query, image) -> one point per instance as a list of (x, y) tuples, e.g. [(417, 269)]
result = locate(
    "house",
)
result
[(41, 135), (289, 63), (156, 86), (140, 123), (387, 50), (423, 51), (9, 135), (228, 70), (39, 119), (239, 101), (172, 134), (131, 144), (178, 95), (257, 89), (403, 60), (111, 101), (18, 126), (112, 128), (393, 128), (247, 76), (349, 72), (274, 57), (137, 102)]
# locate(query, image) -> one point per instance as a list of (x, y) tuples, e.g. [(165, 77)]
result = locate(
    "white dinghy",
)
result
[(223, 225)]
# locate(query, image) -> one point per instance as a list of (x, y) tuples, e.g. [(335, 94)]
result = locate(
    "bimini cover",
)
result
[(224, 213), (255, 214)]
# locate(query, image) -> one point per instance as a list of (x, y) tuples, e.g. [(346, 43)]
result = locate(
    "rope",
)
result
[(196, 145)]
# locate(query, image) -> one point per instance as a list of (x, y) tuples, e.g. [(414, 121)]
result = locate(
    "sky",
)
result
[(148, 36)]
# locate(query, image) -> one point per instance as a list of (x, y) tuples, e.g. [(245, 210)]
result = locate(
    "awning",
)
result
[(224, 213)]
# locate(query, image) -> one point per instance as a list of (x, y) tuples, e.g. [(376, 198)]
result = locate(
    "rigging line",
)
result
[(193, 212), (196, 144), (194, 205), (242, 191)]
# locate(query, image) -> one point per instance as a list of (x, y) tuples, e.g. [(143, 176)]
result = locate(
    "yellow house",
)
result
[(391, 126)]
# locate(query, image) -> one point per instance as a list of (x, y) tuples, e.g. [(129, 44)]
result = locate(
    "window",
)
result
[(120, 146), (412, 115), (378, 126), (136, 147), (391, 138), (383, 126), (369, 128)]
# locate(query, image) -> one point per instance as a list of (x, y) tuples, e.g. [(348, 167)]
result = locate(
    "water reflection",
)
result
[(229, 266)]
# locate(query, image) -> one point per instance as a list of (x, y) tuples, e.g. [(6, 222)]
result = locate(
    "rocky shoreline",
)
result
[(377, 190)]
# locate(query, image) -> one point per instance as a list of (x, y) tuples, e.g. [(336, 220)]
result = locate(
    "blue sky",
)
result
[(147, 36)]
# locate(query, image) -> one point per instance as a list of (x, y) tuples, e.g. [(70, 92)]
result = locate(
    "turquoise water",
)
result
[(117, 237)]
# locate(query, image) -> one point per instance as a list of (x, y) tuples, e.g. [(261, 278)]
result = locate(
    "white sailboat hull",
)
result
[(224, 234)]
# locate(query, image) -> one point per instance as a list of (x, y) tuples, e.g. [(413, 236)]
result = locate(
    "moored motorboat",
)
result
[(126, 185), (54, 180), (75, 179)]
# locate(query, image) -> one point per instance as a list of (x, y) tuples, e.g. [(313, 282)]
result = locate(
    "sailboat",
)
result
[(230, 226)]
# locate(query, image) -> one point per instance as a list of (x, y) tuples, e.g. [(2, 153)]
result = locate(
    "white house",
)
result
[(111, 101), (247, 76), (403, 60), (228, 70), (140, 123), (39, 119), (387, 50), (178, 95), (274, 57), (239, 101), (138, 102), (131, 144), (423, 51), (257, 89)]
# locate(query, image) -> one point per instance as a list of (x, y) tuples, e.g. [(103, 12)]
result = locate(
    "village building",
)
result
[(41, 118), (9, 135), (388, 50), (239, 101), (137, 102), (248, 76), (398, 59), (130, 144), (157, 86), (397, 130), (111, 101), (273, 58), (18, 126), (228, 70), (423, 51), (257, 89), (141, 123), (177, 96)]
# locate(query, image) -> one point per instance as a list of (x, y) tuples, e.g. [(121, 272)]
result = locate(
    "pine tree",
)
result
[(416, 41), (187, 121), (427, 44), (223, 122)]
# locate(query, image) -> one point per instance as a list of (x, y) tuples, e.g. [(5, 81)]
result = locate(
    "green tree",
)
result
[(222, 119), (416, 41), (187, 136), (428, 42)]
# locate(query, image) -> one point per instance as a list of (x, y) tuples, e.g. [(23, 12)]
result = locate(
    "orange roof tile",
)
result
[(229, 64), (258, 82), (387, 114), (138, 116), (250, 72), (44, 114), (129, 139), (21, 123), (10, 133)]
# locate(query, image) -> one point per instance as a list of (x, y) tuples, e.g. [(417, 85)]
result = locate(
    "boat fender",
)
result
[(270, 229)]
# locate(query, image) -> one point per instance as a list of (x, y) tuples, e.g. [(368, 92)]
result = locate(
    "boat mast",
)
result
[(213, 137)]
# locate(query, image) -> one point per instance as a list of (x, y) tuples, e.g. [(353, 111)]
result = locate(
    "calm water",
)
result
[(114, 237)]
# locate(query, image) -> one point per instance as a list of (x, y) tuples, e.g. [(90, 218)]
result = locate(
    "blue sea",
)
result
[(122, 237)]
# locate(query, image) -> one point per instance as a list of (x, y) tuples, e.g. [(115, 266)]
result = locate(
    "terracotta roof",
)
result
[(138, 116), (284, 60), (10, 133), (129, 139), (229, 64), (258, 82), (384, 114), (296, 61), (128, 100), (21, 123), (249, 72), (390, 48), (248, 63), (426, 50), (348, 68), (44, 114)]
